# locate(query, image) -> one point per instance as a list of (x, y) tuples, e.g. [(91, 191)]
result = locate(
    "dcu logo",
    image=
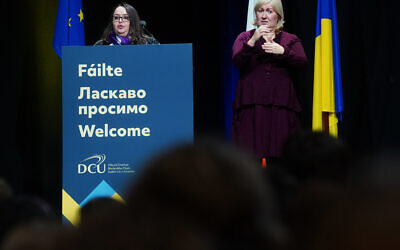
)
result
[(93, 165)]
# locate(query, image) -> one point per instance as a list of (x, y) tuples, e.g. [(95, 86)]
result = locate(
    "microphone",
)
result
[(142, 23)]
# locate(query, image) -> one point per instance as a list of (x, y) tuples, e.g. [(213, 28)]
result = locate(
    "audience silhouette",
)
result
[(210, 195)]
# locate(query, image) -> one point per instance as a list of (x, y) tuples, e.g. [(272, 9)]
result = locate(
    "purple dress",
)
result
[(265, 107)]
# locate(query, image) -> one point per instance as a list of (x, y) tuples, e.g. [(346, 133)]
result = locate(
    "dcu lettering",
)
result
[(93, 165)]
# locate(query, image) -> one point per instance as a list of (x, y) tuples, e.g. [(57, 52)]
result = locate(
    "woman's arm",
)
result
[(293, 54), (242, 51)]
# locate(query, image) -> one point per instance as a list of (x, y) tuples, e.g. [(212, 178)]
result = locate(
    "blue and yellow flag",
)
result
[(69, 26), (327, 76)]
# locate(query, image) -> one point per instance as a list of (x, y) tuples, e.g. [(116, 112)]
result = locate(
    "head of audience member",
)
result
[(315, 156), (99, 210), (103, 224), (125, 23), (36, 235), (18, 210), (308, 157), (208, 195), (360, 216)]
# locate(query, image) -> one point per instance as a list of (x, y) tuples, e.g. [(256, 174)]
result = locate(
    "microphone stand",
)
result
[(146, 31)]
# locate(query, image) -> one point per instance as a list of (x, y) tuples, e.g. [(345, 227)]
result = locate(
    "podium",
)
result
[(121, 106)]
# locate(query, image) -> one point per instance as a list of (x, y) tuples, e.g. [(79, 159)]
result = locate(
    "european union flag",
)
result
[(327, 98), (69, 26)]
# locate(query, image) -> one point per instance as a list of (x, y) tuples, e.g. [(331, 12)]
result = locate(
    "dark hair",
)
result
[(135, 30), (310, 155), (308, 158), (99, 209), (204, 196), (18, 210)]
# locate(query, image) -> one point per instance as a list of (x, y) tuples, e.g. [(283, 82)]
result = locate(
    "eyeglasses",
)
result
[(121, 19)]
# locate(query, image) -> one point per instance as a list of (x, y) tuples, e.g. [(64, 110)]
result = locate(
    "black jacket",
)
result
[(150, 40)]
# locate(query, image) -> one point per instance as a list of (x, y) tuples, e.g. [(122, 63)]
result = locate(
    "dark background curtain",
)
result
[(31, 74)]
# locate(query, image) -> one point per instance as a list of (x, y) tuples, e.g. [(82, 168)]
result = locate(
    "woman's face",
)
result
[(121, 21), (267, 16)]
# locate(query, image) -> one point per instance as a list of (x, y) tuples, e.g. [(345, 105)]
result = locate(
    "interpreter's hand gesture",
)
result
[(262, 31), (273, 47)]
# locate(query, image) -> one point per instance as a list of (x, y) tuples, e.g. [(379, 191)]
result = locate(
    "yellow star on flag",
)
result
[(80, 15)]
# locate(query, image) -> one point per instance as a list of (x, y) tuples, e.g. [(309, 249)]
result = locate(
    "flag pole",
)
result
[(325, 121)]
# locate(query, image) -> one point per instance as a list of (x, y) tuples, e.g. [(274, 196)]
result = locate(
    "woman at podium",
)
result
[(265, 106), (125, 28)]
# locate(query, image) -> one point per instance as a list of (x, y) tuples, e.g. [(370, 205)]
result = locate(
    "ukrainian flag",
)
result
[(69, 28), (327, 76)]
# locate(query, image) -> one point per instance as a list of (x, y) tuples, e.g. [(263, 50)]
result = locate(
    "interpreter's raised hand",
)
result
[(273, 48), (262, 31)]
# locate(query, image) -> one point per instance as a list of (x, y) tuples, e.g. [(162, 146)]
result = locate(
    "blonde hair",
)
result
[(277, 7)]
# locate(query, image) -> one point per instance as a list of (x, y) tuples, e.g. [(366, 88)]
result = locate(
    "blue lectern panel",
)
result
[(121, 106)]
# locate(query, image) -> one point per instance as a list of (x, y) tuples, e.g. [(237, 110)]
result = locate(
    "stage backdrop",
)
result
[(121, 106)]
